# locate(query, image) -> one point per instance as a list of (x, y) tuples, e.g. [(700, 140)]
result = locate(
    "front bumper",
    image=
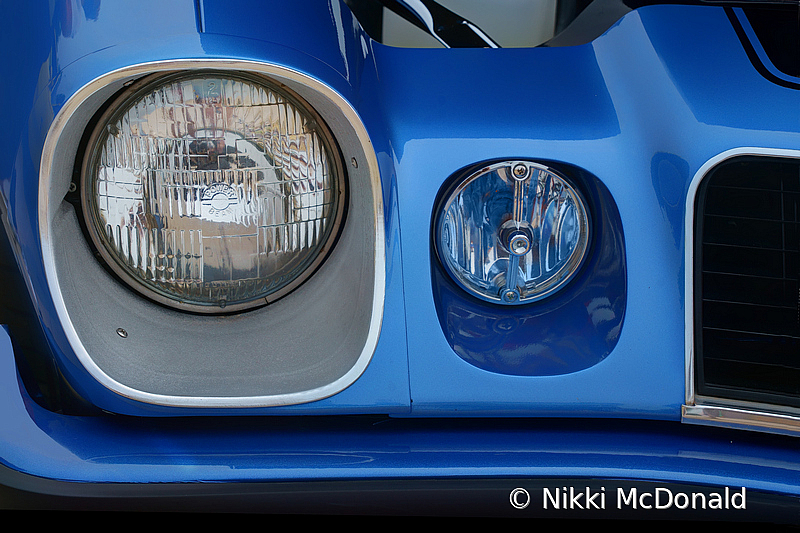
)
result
[(365, 464)]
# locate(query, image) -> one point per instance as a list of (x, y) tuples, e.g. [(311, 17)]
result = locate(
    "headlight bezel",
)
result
[(344, 298)]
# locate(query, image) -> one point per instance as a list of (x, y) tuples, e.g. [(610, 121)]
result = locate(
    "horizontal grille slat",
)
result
[(754, 377), (749, 289), (739, 260), (746, 278), (737, 231), (744, 202), (742, 346), (750, 318)]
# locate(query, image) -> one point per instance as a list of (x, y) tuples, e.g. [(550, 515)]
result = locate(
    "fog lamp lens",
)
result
[(212, 192), (513, 232)]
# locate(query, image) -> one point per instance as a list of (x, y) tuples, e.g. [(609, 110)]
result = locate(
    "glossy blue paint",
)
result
[(633, 108), (637, 108), (117, 449), (330, 23), (656, 118), (388, 390), (572, 330)]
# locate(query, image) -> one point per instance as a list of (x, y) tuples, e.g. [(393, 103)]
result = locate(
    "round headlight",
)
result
[(212, 192), (513, 232)]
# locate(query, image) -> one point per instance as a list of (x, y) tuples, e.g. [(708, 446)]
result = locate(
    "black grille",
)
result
[(747, 305)]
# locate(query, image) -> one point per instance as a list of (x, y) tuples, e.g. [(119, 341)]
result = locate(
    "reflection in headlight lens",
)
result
[(212, 192)]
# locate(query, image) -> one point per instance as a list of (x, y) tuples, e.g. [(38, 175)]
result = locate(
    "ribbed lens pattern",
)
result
[(513, 232), (213, 191)]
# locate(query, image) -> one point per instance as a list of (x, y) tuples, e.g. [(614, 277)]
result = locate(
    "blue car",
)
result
[(519, 258)]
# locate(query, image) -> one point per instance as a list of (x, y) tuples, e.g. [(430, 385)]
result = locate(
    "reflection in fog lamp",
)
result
[(212, 192), (513, 232)]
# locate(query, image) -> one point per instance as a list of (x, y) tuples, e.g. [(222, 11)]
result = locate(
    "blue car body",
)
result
[(590, 388)]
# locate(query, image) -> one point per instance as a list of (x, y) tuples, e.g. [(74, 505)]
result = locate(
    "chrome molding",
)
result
[(723, 411), (51, 192), (738, 418)]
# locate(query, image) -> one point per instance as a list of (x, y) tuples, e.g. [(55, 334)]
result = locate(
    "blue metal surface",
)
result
[(572, 330), (384, 386), (108, 449), (643, 117), (637, 108), (327, 31)]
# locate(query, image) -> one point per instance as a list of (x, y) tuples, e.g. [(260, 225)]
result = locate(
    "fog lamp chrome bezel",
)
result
[(515, 231), (124, 102)]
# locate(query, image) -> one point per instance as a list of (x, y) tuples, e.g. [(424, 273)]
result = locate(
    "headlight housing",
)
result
[(212, 192), (513, 232), (306, 346)]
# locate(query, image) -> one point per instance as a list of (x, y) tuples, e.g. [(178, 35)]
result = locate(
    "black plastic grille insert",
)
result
[(747, 265)]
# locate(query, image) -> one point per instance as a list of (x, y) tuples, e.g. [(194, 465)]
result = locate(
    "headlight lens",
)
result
[(513, 232), (212, 192)]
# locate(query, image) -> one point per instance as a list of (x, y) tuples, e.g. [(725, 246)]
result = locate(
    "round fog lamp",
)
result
[(212, 192), (513, 232)]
